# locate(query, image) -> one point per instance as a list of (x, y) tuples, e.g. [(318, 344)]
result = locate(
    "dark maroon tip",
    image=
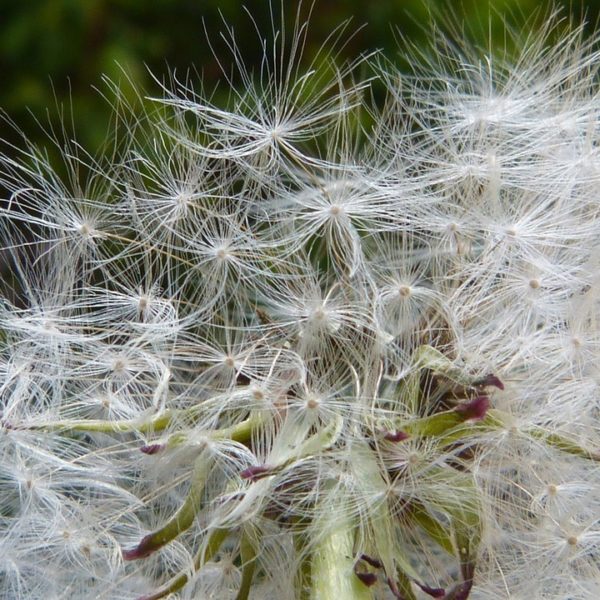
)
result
[(368, 579), (396, 436), (430, 591), (130, 554), (376, 564), (145, 548), (152, 448), (255, 473), (475, 409), (490, 380)]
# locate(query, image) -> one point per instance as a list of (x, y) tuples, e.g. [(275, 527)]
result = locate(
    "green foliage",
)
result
[(53, 53)]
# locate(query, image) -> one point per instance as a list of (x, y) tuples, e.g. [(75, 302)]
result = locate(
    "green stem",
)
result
[(241, 432), (217, 537), (562, 443), (182, 519), (332, 566), (248, 558), (156, 423)]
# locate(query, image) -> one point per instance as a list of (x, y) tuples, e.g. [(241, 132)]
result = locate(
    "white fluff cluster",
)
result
[(304, 346)]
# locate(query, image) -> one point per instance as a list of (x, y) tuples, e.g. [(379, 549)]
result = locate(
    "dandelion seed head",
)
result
[(303, 327)]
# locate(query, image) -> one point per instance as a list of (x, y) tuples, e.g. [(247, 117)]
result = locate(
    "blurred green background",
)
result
[(53, 53)]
